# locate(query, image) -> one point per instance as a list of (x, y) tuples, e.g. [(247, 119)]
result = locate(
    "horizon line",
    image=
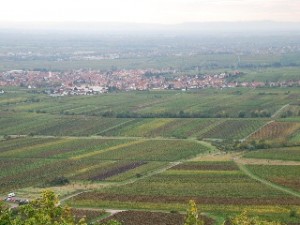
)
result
[(146, 23)]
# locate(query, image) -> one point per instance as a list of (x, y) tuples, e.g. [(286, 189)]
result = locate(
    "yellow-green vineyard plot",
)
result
[(284, 175), (161, 127), (148, 129), (27, 150), (55, 147), (96, 153), (151, 150), (208, 183), (15, 143)]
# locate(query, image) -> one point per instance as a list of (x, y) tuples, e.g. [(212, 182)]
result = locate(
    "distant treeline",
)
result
[(182, 114)]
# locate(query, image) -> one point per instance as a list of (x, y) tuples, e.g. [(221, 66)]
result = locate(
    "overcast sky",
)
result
[(148, 11)]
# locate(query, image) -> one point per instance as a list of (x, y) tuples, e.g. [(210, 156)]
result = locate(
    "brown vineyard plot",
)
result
[(150, 218), (117, 170)]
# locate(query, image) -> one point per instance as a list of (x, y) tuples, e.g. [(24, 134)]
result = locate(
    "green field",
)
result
[(290, 154), (205, 103)]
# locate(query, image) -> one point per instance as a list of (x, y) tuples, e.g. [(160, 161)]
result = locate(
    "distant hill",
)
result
[(253, 27)]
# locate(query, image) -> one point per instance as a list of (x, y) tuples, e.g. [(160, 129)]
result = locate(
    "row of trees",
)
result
[(48, 211)]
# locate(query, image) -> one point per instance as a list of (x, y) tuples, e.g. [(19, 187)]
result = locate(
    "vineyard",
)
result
[(158, 104), (291, 154), (233, 129), (55, 125), (277, 132), (154, 150), (60, 125), (150, 218), (37, 161), (287, 176), (208, 183)]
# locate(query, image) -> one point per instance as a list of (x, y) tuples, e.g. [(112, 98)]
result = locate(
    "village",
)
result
[(91, 82)]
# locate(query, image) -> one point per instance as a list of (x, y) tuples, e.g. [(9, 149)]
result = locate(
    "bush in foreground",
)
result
[(43, 211)]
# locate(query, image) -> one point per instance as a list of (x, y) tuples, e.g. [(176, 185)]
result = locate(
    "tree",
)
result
[(45, 210), (242, 114), (192, 217)]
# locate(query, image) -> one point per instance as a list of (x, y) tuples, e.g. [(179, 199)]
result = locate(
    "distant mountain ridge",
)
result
[(190, 27)]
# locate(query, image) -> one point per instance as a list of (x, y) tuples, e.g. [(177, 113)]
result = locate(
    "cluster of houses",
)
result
[(85, 90), (90, 82)]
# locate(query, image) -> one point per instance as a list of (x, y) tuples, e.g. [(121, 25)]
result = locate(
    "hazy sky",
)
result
[(149, 11)]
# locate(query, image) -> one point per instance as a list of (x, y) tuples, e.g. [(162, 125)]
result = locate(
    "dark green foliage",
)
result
[(59, 181)]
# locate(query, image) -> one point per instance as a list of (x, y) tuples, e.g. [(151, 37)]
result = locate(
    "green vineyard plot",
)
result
[(287, 176), (288, 153)]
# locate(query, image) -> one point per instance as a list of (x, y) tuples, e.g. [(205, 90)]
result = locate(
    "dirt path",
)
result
[(110, 211), (113, 127), (73, 195), (279, 111)]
